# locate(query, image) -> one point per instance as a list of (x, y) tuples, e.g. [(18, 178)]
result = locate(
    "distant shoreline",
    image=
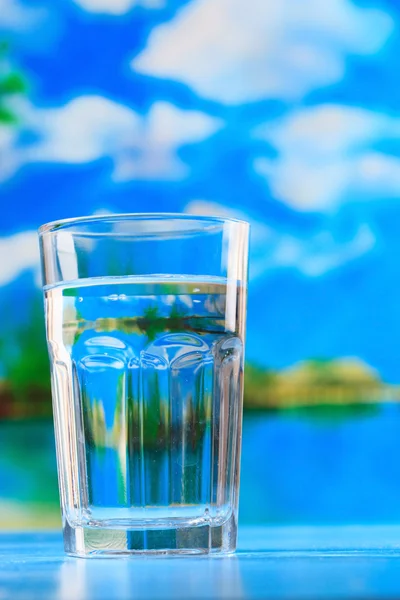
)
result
[(344, 382)]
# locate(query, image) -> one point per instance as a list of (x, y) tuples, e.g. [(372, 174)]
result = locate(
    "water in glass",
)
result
[(147, 376)]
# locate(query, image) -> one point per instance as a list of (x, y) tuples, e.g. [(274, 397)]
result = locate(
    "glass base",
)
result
[(89, 542)]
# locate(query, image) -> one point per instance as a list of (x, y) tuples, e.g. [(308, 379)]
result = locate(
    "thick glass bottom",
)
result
[(89, 542)]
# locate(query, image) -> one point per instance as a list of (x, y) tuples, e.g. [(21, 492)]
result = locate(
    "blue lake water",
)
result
[(322, 466), (309, 466)]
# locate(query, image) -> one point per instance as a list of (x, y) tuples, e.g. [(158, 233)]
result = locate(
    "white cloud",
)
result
[(326, 156), (16, 16), (19, 253), (91, 127), (321, 253), (153, 155), (244, 50), (270, 249), (117, 7), (8, 157), (324, 130), (378, 174)]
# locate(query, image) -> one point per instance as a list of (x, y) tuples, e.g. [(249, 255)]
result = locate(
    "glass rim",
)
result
[(67, 224)]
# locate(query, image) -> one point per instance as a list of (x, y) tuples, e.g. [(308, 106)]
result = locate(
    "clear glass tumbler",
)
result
[(145, 319)]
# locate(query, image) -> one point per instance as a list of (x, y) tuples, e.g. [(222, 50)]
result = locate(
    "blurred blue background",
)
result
[(282, 113)]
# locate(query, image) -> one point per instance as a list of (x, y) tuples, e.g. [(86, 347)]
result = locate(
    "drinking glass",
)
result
[(145, 322)]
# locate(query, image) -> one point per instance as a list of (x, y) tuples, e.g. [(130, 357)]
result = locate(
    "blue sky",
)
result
[(285, 116)]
